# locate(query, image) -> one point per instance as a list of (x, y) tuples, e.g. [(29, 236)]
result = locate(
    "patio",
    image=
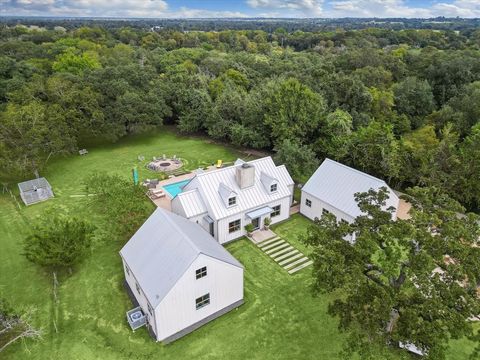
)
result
[(165, 202), (261, 235)]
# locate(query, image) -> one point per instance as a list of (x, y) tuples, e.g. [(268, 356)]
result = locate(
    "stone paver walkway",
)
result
[(284, 254), (294, 209)]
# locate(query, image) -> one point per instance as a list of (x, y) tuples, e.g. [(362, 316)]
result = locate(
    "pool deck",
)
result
[(166, 201)]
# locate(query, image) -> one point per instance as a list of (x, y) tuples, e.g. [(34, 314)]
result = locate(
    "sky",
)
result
[(243, 8)]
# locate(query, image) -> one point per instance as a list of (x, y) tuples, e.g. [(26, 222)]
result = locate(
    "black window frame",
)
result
[(201, 273), (308, 203), (138, 288), (202, 301), (325, 212), (276, 210), (232, 201), (127, 269), (274, 185), (234, 226)]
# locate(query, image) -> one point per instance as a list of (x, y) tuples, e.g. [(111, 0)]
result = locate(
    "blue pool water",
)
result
[(175, 188)]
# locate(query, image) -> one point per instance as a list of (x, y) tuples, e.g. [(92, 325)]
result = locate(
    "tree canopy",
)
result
[(410, 281)]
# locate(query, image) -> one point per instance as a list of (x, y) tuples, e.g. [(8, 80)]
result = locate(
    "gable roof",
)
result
[(225, 192), (191, 203), (336, 185), (164, 247), (267, 180), (249, 198)]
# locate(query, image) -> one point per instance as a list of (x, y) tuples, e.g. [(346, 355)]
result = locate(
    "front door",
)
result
[(256, 223)]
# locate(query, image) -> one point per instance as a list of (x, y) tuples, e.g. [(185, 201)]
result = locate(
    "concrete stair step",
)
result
[(298, 268), (268, 241), (291, 258), (273, 244), (281, 252), (287, 255), (297, 262), (276, 248)]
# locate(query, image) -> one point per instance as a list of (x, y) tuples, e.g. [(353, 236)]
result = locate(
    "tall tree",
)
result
[(374, 149), (31, 134), (414, 98), (334, 141), (294, 111), (401, 282), (299, 159), (58, 241)]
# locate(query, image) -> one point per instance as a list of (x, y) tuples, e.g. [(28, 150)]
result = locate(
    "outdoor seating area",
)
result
[(164, 164), (153, 191)]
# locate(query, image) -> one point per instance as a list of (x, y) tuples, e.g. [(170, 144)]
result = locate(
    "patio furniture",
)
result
[(219, 164), (156, 194), (83, 152)]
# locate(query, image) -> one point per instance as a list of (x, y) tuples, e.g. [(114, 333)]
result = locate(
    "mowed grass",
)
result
[(279, 320)]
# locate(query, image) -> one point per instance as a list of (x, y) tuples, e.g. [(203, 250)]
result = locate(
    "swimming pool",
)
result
[(175, 188)]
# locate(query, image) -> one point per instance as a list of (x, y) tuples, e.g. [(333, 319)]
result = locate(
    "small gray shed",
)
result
[(34, 191)]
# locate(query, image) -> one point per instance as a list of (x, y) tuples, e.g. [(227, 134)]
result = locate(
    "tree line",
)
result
[(402, 105)]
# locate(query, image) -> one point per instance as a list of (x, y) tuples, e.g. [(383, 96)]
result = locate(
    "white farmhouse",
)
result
[(179, 275), (224, 201), (332, 188)]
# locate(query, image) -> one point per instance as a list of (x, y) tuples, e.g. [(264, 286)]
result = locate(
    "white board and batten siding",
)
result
[(333, 187), (139, 296), (160, 263), (317, 206), (223, 235), (177, 311)]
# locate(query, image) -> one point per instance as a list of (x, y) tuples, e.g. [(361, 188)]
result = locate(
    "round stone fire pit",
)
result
[(165, 165)]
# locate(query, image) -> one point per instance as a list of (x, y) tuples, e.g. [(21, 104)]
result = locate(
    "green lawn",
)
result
[(292, 229), (279, 320)]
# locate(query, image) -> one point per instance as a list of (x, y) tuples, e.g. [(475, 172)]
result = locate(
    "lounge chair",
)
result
[(219, 163)]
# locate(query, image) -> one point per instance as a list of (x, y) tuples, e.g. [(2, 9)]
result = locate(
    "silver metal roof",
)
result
[(34, 184), (267, 180), (191, 202), (249, 198), (259, 212), (336, 184), (34, 191), (164, 248)]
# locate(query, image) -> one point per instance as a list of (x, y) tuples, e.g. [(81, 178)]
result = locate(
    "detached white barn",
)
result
[(223, 201), (332, 189), (179, 275)]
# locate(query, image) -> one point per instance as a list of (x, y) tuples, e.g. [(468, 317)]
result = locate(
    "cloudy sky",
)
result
[(242, 8)]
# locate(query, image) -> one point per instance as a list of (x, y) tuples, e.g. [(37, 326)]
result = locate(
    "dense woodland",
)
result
[(403, 105)]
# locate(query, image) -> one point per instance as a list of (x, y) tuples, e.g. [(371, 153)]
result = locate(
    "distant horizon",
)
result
[(246, 9), (61, 17)]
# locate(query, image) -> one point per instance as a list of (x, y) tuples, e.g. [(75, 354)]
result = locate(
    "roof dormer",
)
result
[(269, 183), (228, 196)]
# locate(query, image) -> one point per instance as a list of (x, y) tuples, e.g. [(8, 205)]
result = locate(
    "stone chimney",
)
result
[(245, 175)]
